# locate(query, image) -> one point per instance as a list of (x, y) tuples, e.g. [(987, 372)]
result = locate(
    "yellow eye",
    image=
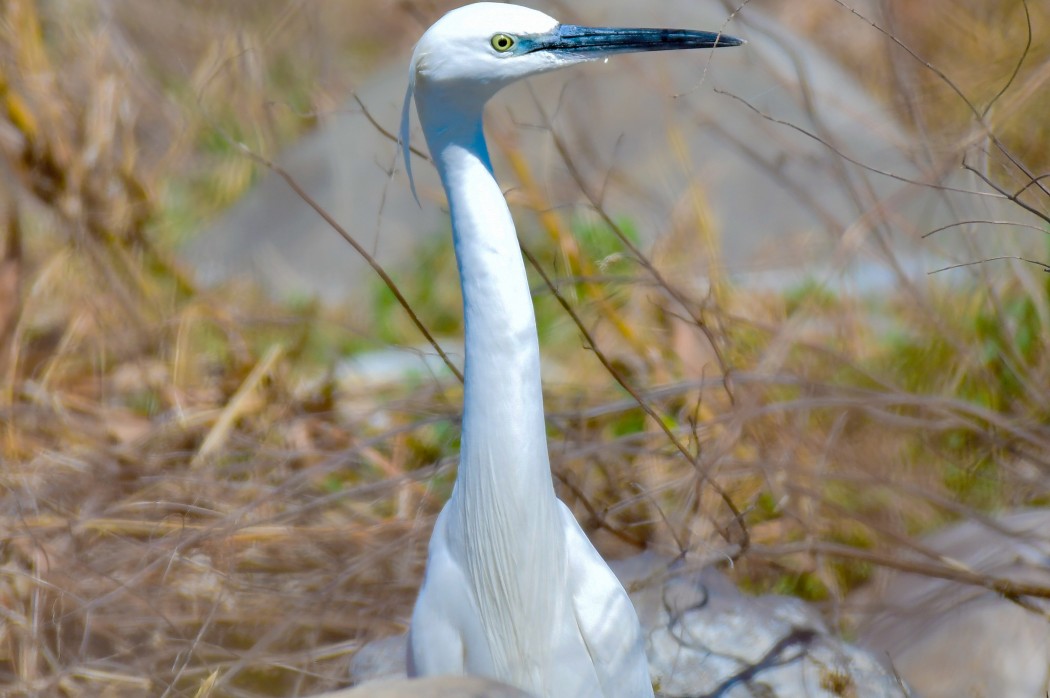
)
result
[(502, 42)]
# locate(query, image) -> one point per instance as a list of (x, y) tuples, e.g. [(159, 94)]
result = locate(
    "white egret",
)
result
[(514, 590)]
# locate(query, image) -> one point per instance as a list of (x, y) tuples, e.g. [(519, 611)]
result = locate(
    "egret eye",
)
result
[(502, 42)]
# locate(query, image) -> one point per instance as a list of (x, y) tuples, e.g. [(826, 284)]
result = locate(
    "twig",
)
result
[(1015, 591), (639, 257), (236, 407), (692, 458), (379, 127), (1044, 265), (985, 222), (852, 160), (978, 115), (376, 267)]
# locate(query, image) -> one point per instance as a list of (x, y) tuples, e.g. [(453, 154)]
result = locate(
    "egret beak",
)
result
[(573, 40)]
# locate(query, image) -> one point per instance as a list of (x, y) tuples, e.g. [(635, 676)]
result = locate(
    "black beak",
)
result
[(595, 41)]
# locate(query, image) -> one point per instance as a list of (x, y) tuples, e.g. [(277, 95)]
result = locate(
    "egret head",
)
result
[(480, 48), (473, 51)]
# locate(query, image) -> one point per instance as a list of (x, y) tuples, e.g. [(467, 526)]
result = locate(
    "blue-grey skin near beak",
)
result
[(571, 39)]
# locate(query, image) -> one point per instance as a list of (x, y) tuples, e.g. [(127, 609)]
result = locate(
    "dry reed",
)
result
[(191, 497)]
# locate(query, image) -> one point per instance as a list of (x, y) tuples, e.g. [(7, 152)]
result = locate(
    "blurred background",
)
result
[(818, 262)]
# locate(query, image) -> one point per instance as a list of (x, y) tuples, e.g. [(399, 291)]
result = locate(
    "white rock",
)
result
[(951, 640)]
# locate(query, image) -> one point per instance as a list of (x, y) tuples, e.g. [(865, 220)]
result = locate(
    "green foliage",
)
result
[(850, 574), (804, 585), (1012, 342), (765, 508), (977, 485), (428, 446), (628, 422), (430, 282), (998, 344), (809, 295), (598, 242), (146, 402), (994, 356)]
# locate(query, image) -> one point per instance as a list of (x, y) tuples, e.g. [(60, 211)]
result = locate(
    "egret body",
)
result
[(514, 590)]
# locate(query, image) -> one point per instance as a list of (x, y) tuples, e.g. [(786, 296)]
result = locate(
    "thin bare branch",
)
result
[(693, 458), (1012, 224), (1044, 265), (376, 267)]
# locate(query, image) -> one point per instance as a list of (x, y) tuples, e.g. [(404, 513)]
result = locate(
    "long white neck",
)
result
[(504, 494), (504, 445)]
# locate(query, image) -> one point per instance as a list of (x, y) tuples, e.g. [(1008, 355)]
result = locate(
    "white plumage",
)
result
[(514, 590)]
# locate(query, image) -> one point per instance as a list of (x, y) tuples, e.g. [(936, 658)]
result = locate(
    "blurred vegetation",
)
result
[(977, 45), (195, 482)]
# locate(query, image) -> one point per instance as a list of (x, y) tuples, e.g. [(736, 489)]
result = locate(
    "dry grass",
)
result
[(189, 491)]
